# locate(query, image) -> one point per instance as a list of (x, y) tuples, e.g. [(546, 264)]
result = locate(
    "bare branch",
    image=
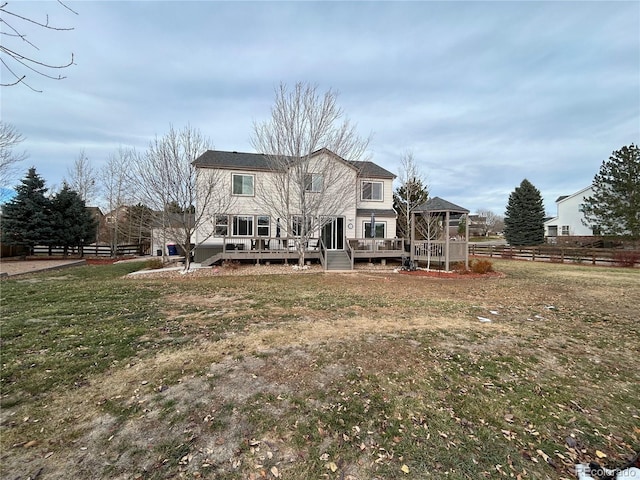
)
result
[(10, 138), (16, 30), (307, 137)]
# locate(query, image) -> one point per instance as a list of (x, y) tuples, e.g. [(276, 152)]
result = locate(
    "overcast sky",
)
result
[(484, 94)]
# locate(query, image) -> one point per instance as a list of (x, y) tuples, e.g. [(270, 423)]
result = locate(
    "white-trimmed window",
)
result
[(263, 226), (372, 191), (565, 229), (221, 227), (243, 226), (379, 230), (313, 182), (242, 184)]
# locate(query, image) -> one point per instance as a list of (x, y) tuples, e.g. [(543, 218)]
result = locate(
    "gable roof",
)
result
[(579, 192), (260, 161), (437, 204)]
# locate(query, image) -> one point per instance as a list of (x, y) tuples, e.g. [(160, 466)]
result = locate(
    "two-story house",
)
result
[(338, 206), (569, 218)]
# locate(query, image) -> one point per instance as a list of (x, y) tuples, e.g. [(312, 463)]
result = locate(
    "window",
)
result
[(242, 226), (565, 229), (553, 230), (297, 228), (313, 182), (242, 184), (221, 226), (379, 230), (263, 226), (372, 191)]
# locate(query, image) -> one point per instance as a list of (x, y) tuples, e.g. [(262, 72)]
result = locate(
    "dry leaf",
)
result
[(600, 454), (275, 472), (332, 466), (405, 469)]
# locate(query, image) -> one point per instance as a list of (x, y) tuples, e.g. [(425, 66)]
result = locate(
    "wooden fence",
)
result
[(559, 254), (92, 251)]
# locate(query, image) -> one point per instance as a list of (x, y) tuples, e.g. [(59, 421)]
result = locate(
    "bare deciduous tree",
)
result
[(493, 222), (83, 178), (117, 189), (9, 159), (301, 140), (185, 198), (430, 226), (412, 192), (14, 59)]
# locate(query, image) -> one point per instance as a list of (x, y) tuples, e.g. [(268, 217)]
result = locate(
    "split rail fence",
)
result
[(559, 254)]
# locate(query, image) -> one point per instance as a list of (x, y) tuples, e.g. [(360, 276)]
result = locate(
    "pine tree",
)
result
[(524, 217), (26, 219), (405, 199), (614, 207), (73, 224)]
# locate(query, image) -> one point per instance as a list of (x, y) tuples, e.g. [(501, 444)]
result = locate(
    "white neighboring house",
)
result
[(249, 226), (568, 221)]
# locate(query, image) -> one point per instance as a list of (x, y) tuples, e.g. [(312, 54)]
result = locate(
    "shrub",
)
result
[(626, 258), (459, 267), (153, 264), (481, 266)]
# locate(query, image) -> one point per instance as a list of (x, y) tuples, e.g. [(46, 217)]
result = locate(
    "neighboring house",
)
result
[(100, 221), (568, 221), (249, 225)]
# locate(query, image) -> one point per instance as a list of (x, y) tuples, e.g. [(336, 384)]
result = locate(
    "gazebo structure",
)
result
[(431, 238)]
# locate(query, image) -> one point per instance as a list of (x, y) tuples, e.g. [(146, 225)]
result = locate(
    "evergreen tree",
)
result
[(406, 198), (26, 219), (524, 217), (614, 206), (462, 226), (73, 224)]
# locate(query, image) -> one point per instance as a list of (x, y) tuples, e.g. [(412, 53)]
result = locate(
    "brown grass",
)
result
[(263, 356)]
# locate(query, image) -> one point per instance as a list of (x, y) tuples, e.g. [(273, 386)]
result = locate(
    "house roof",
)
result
[(379, 213), (437, 204), (579, 192), (260, 161)]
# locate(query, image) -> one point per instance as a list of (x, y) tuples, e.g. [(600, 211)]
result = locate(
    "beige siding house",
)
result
[(263, 215)]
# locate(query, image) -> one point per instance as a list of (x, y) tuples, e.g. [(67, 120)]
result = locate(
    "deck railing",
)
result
[(376, 244), (435, 250)]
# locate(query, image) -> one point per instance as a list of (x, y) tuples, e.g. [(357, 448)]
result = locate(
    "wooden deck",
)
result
[(283, 249)]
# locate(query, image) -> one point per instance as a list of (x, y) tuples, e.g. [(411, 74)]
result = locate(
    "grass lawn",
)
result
[(339, 376)]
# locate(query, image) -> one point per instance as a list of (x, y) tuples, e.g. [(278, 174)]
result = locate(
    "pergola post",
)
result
[(466, 241), (412, 237), (446, 240)]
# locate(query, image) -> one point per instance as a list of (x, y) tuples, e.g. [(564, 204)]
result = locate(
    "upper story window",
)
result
[(242, 184), (565, 230), (313, 182), (372, 190)]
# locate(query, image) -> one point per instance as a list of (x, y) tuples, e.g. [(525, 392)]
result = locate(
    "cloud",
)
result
[(484, 93)]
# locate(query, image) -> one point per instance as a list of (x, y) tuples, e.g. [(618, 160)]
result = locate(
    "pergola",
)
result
[(438, 247)]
